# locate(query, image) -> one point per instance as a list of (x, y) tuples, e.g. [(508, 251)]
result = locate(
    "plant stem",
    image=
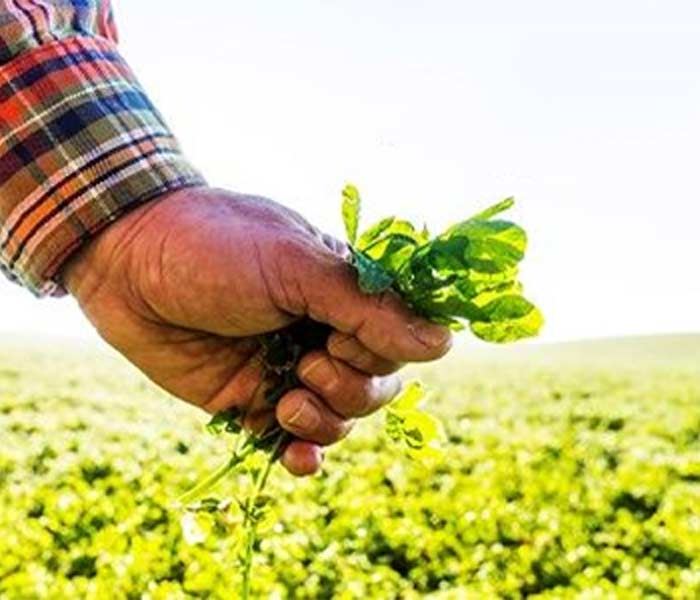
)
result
[(250, 521), (207, 484)]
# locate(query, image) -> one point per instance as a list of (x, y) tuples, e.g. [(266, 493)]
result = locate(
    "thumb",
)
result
[(326, 287)]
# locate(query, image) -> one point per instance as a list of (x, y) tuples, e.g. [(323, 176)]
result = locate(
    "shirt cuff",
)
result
[(80, 144)]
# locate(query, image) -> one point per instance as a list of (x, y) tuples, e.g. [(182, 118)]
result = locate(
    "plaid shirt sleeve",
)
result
[(80, 143)]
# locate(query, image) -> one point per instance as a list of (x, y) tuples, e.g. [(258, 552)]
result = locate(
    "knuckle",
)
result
[(322, 373), (342, 345), (377, 334), (359, 356)]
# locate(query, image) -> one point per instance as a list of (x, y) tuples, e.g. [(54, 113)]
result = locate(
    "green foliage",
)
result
[(371, 276), (469, 273), (351, 211), (418, 432), (574, 473), (225, 421)]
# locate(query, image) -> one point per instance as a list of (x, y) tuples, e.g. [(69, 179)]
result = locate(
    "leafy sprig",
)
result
[(469, 273)]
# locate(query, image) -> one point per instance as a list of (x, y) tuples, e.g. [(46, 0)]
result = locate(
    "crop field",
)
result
[(570, 471)]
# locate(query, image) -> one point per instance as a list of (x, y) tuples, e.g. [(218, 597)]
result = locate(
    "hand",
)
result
[(181, 286)]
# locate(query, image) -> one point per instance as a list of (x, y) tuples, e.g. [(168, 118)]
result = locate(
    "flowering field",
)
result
[(570, 472)]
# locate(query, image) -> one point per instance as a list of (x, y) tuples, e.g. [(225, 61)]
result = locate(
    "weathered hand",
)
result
[(182, 286)]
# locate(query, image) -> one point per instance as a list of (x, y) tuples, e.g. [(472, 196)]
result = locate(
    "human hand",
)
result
[(184, 285)]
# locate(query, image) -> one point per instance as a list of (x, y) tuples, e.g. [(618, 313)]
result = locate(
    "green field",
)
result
[(572, 472)]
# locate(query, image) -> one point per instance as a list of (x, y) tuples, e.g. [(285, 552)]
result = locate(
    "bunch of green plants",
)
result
[(465, 276)]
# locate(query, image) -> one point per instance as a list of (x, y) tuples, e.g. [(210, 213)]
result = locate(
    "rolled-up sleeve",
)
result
[(80, 142)]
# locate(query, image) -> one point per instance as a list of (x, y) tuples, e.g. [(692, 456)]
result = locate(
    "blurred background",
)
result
[(588, 113)]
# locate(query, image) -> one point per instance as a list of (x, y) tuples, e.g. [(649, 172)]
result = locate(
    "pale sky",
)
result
[(588, 113)]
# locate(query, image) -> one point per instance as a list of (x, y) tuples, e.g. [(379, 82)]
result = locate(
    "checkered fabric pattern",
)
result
[(80, 143)]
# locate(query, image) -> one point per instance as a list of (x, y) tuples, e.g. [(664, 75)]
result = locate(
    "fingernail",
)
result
[(433, 336), (306, 417), (320, 373)]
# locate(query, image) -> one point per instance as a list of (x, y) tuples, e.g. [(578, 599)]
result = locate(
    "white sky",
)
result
[(589, 113)]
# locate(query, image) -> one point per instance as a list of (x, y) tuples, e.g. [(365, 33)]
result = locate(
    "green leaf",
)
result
[(392, 426), (507, 318), (477, 283), (391, 243), (388, 228), (371, 276), (351, 211), (392, 252), (490, 246), (406, 424), (492, 211), (225, 421), (420, 428), (448, 255), (409, 398), (374, 232), (419, 433), (448, 303)]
